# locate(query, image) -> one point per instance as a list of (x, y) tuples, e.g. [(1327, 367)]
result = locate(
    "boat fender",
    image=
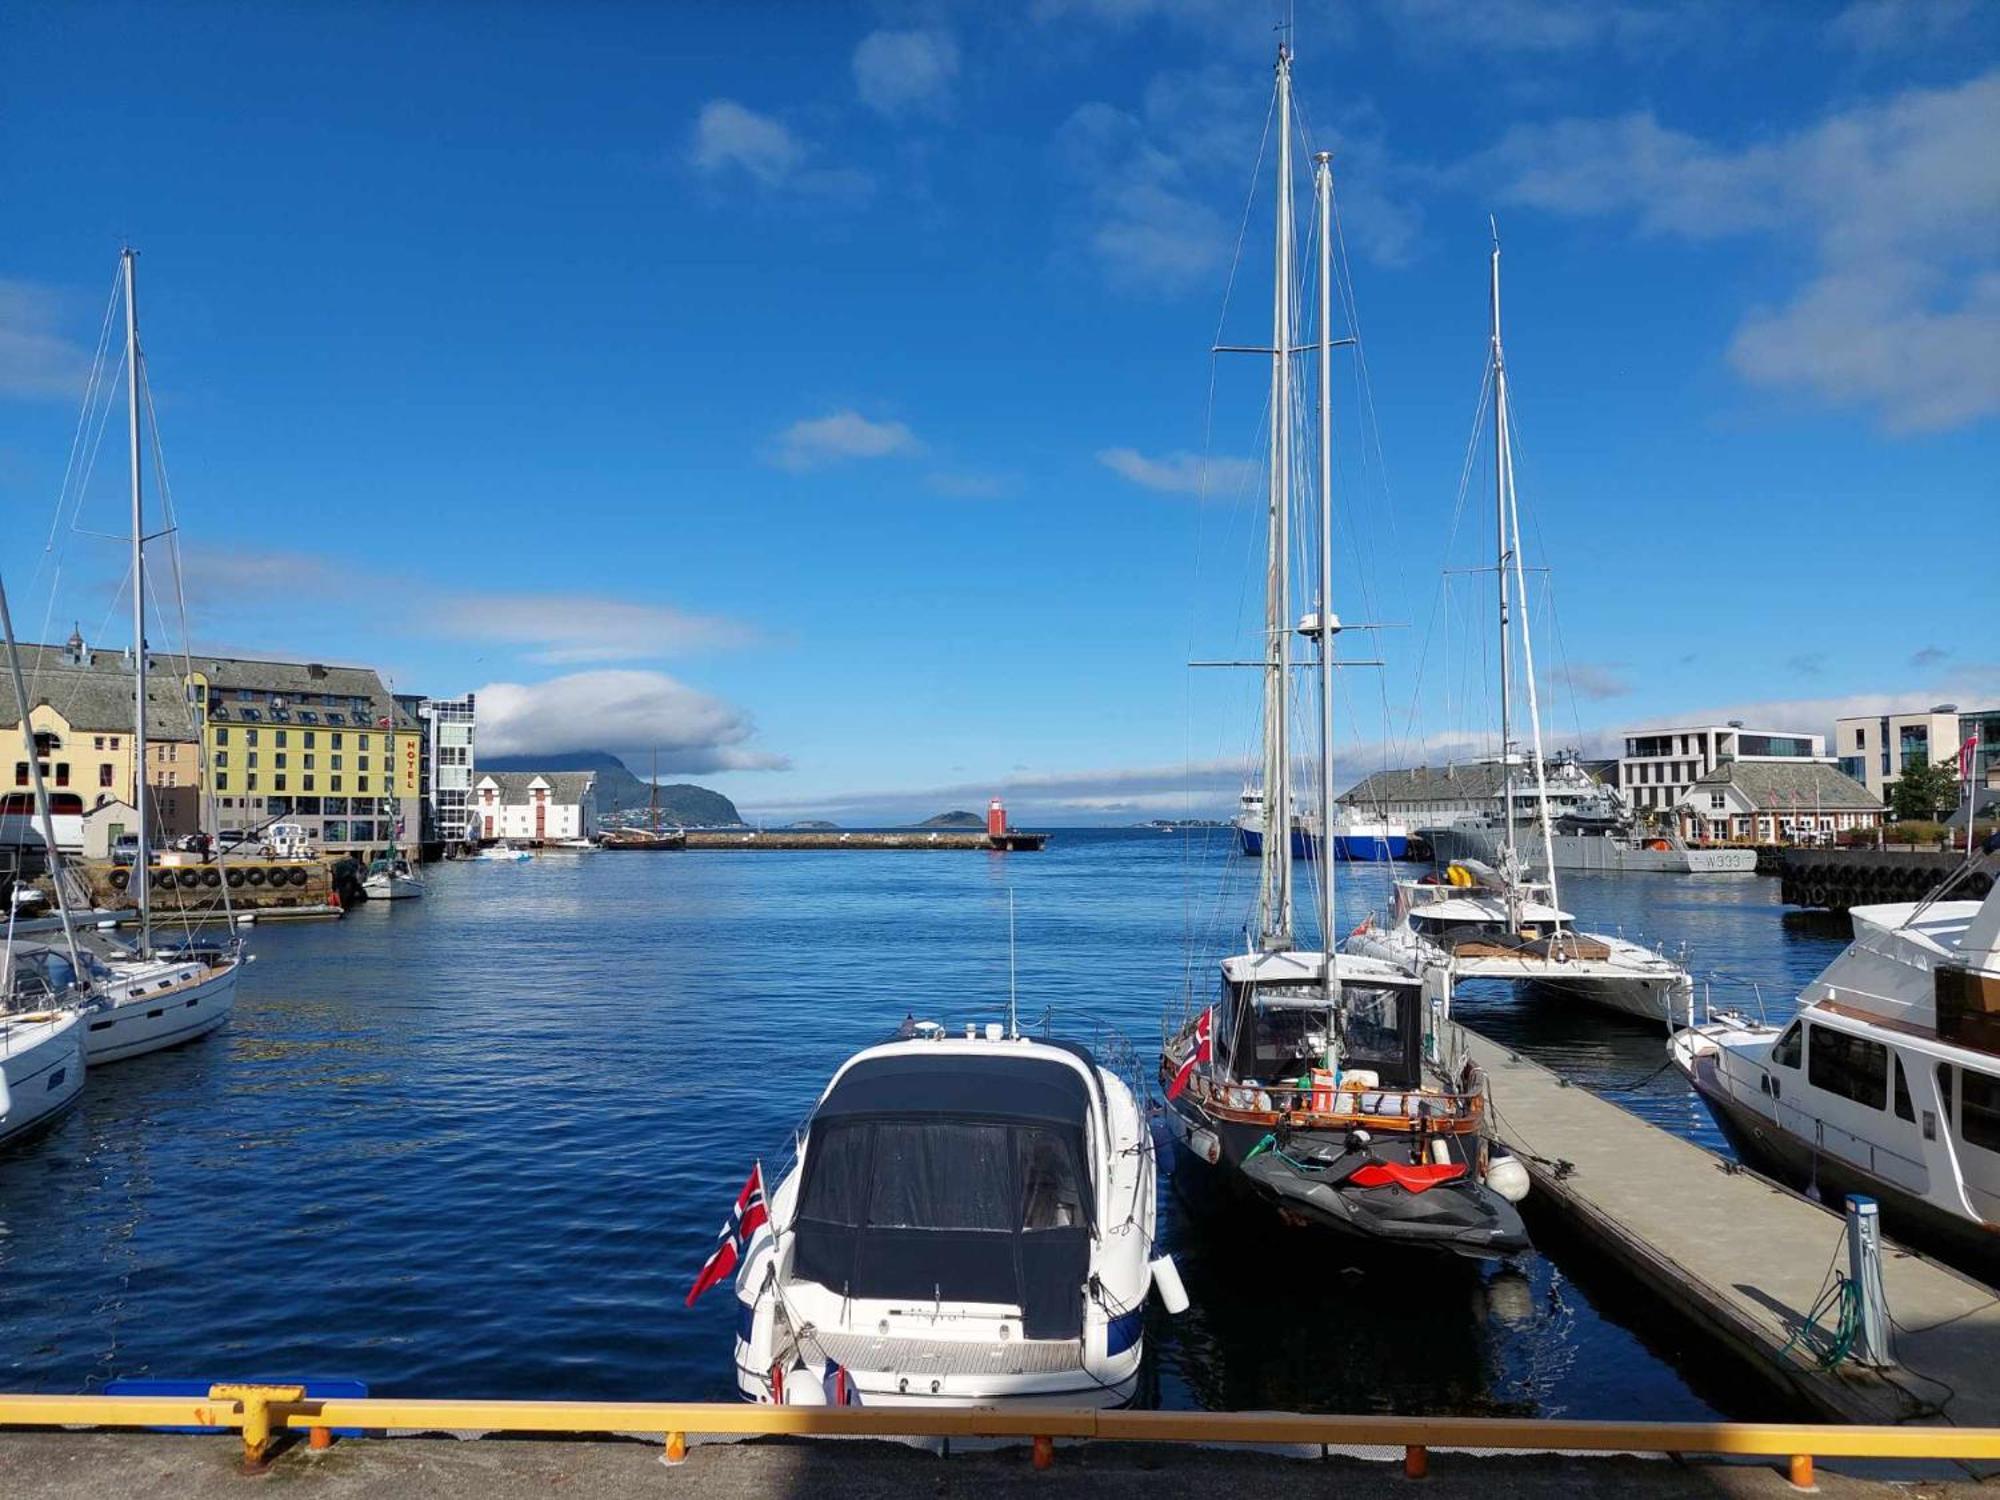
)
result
[(1167, 1282), (1507, 1177), (800, 1387), (1206, 1145), (1440, 1151)]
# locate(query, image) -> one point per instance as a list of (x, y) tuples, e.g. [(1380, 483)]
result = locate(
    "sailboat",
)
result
[(41, 1001), (391, 878), (1313, 1086), (146, 997), (1496, 922), (652, 836)]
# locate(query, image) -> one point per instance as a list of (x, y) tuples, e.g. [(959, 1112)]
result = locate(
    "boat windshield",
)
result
[(1284, 1033)]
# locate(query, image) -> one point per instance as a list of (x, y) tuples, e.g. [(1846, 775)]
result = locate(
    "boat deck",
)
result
[(1740, 1255)]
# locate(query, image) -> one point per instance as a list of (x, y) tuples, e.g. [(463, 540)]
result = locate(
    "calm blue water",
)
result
[(477, 1145)]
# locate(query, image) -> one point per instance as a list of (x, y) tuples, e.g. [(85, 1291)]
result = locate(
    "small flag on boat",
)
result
[(839, 1383), (745, 1219), (1367, 925), (1204, 1051)]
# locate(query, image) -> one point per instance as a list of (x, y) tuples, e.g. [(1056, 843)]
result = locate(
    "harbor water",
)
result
[(478, 1144)]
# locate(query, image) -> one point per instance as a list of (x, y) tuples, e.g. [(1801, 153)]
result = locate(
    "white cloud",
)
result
[(731, 137), (1897, 203), (628, 713), (1211, 478), (905, 72), (837, 438), (36, 361), (565, 629)]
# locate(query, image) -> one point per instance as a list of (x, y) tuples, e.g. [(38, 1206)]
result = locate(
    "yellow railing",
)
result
[(262, 1411)]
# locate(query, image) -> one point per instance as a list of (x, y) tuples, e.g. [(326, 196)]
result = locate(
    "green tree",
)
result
[(1926, 791)]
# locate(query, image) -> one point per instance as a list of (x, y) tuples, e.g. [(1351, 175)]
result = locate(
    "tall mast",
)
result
[(41, 792), (1325, 620), (1503, 556), (142, 863), (653, 796), (1275, 896)]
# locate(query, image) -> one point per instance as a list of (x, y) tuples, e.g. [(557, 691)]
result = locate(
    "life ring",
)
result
[(120, 878), (234, 878), (255, 875), (211, 877)]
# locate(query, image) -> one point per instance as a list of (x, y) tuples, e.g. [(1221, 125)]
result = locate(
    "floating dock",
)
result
[(1010, 841), (1740, 1256)]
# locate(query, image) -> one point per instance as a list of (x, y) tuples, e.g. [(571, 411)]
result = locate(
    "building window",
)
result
[(309, 783), (310, 758), (310, 737), (336, 779), (222, 777), (104, 775), (364, 759), (97, 743), (1849, 1066), (336, 739), (62, 773), (251, 758), (20, 773), (250, 737), (222, 734), (278, 760), (281, 736), (221, 759), (278, 780)]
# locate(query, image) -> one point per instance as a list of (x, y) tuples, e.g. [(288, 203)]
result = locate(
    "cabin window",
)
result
[(1903, 1109), (1786, 1053), (837, 1187), (1979, 1109), (940, 1176), (1849, 1066), (1051, 1197)]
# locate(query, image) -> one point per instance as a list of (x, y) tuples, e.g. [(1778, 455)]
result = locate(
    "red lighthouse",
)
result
[(996, 819)]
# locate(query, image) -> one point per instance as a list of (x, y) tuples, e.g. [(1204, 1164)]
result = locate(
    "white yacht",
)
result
[(968, 1221), (42, 1064), (392, 879), (1494, 922), (1887, 1081)]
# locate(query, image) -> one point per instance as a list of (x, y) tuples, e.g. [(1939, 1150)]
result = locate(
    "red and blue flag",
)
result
[(749, 1215)]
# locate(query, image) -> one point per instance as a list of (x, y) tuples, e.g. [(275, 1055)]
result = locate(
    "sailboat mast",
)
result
[(653, 795), (1502, 558), (1276, 894), (1330, 978), (142, 865)]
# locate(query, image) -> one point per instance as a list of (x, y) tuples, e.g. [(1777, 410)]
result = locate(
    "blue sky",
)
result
[(816, 392)]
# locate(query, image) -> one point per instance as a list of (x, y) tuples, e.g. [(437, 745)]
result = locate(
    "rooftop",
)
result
[(1786, 786), (513, 787)]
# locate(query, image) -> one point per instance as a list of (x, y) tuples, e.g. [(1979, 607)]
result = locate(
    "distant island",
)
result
[(813, 825), (622, 793), (957, 819)]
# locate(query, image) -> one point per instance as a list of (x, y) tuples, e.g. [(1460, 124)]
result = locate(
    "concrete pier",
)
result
[(1740, 1256), (900, 838)]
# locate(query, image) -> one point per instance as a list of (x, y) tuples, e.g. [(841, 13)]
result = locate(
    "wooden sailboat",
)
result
[(652, 836)]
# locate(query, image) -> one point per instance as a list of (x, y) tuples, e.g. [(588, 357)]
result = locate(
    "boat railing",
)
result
[(1341, 1104)]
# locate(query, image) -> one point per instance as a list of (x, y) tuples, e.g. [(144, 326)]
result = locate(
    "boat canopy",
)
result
[(1486, 909), (1285, 971), (951, 1176)]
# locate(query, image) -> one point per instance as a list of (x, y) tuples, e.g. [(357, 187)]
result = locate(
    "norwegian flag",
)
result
[(1965, 754), (840, 1389), (1204, 1051), (748, 1216)]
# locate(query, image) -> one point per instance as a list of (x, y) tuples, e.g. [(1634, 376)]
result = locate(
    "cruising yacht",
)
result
[(1887, 1081), (41, 1047), (1495, 922), (1357, 838), (1311, 1088), (392, 879), (969, 1221)]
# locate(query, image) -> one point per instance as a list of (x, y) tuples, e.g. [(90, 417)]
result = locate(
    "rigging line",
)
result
[(90, 388)]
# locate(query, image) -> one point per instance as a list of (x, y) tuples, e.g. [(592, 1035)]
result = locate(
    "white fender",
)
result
[(1507, 1177), (1167, 1282)]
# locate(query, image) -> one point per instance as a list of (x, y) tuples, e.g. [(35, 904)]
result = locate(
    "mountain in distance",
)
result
[(813, 825), (955, 819), (618, 790)]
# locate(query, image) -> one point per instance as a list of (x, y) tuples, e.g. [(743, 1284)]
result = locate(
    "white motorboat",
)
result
[(505, 854), (392, 880), (1887, 1080), (576, 846), (969, 1221), (1496, 922)]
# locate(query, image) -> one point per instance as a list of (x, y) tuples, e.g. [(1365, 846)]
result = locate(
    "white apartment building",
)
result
[(535, 807), (1875, 748), (452, 767), (1659, 765)]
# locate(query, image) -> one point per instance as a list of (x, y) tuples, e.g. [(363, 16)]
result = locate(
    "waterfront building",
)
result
[(329, 748), (453, 764), (1775, 801), (1875, 749), (80, 712), (1439, 796), (1660, 765), (536, 807)]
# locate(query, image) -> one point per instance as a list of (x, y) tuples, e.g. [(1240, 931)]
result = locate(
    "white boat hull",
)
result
[(41, 1070), (392, 887), (140, 1016)]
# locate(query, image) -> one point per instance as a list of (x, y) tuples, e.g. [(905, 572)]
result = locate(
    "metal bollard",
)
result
[(1864, 1267), (256, 1403)]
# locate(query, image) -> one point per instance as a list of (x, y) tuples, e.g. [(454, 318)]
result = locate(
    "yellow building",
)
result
[(327, 748), (80, 712)]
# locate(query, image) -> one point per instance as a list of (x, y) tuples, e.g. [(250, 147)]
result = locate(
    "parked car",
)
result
[(230, 840), (125, 849)]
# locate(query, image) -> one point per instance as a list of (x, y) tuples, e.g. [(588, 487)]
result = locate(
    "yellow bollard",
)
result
[(255, 1400), (1801, 1473), (677, 1450)]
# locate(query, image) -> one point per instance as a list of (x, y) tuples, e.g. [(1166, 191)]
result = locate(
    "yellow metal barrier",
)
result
[(257, 1410)]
